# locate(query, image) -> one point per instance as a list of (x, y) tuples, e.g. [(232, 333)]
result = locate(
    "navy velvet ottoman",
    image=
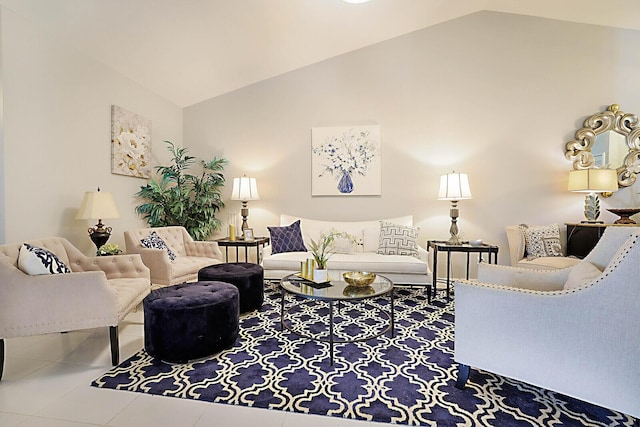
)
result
[(247, 277), (191, 320)]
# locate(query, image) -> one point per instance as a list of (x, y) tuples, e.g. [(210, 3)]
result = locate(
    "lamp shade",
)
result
[(593, 180), (98, 205), (454, 186), (245, 189)]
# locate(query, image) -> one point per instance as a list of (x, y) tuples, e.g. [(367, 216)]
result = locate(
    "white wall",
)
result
[(493, 95), (57, 132)]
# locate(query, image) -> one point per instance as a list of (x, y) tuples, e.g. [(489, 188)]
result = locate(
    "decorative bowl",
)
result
[(359, 278), (357, 291), (624, 215)]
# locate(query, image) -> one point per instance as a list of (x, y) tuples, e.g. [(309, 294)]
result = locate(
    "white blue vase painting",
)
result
[(345, 161)]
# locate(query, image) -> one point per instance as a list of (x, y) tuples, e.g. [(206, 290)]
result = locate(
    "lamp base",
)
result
[(99, 234), (453, 230), (591, 207)]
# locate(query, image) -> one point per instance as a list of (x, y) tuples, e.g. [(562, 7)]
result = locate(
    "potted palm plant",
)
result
[(178, 197)]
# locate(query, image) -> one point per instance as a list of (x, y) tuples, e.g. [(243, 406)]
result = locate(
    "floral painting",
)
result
[(130, 143), (345, 161)]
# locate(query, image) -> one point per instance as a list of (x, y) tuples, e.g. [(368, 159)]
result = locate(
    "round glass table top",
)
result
[(336, 288)]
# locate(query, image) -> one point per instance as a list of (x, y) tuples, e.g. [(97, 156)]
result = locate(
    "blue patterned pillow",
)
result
[(34, 261), (287, 239), (153, 241)]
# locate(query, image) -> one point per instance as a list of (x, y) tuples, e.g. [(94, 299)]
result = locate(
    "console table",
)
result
[(582, 237), (442, 246)]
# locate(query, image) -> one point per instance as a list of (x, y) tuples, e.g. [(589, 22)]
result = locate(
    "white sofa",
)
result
[(400, 269)]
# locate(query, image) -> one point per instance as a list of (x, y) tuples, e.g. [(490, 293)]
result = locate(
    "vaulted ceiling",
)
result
[(191, 50)]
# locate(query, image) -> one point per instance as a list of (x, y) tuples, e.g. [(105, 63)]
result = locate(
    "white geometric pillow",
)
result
[(35, 261), (153, 241), (398, 239), (541, 240)]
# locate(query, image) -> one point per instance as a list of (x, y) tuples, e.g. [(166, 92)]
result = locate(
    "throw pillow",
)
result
[(153, 241), (34, 261), (581, 274), (398, 239), (343, 242), (287, 239), (541, 240)]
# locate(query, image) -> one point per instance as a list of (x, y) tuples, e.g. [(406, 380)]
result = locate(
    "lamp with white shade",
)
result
[(245, 189), (593, 181), (454, 187), (98, 205)]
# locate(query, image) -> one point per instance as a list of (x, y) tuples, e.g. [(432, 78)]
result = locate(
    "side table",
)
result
[(246, 244), (442, 246)]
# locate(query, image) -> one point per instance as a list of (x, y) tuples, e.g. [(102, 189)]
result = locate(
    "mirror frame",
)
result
[(612, 119)]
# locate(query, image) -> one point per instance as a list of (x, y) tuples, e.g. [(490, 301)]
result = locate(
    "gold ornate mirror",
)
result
[(610, 139)]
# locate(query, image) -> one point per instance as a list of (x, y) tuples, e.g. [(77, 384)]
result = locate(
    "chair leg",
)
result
[(463, 376), (1, 358), (115, 349)]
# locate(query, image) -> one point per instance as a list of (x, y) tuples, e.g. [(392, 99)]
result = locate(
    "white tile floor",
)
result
[(47, 381)]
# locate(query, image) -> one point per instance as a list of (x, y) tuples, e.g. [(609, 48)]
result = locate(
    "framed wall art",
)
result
[(130, 143), (345, 161)]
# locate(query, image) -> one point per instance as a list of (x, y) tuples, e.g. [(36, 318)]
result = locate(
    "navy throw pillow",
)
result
[(287, 239)]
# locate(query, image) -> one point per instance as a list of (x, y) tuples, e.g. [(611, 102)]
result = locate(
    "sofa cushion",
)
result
[(548, 262), (34, 260), (398, 239), (542, 240), (581, 274), (153, 241), (287, 238), (367, 261)]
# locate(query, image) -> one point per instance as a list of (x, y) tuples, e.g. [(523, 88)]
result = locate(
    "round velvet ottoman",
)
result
[(191, 320), (247, 277)]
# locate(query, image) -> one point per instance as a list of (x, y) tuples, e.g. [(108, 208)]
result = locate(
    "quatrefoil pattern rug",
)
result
[(408, 379)]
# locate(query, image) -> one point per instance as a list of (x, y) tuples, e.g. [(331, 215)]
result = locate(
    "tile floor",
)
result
[(47, 381)]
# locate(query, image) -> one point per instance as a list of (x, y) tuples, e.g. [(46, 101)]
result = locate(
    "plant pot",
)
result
[(319, 275)]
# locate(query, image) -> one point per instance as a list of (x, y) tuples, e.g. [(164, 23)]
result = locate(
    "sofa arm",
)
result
[(203, 249), (523, 278), (157, 260), (116, 266), (266, 251), (31, 305)]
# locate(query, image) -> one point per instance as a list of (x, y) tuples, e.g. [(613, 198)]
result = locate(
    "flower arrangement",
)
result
[(108, 249), (345, 155), (322, 250)]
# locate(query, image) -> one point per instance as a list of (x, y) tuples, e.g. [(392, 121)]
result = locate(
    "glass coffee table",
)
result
[(336, 292)]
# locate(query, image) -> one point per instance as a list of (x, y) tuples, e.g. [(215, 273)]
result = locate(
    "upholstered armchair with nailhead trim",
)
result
[(573, 330)]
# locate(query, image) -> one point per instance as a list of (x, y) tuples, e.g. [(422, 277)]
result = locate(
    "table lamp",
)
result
[(244, 189), (98, 205), (454, 187), (593, 181)]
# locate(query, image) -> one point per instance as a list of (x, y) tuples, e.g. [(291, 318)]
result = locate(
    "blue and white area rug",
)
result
[(409, 379)]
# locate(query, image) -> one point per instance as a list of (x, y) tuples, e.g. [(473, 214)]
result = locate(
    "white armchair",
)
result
[(582, 342), (99, 291), (518, 256), (190, 255)]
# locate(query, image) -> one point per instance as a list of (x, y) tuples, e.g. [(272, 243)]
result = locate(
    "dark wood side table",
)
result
[(442, 246), (241, 243), (582, 237)]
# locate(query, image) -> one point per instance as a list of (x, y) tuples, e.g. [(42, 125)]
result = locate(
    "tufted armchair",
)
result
[(99, 291), (573, 330), (191, 255)]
